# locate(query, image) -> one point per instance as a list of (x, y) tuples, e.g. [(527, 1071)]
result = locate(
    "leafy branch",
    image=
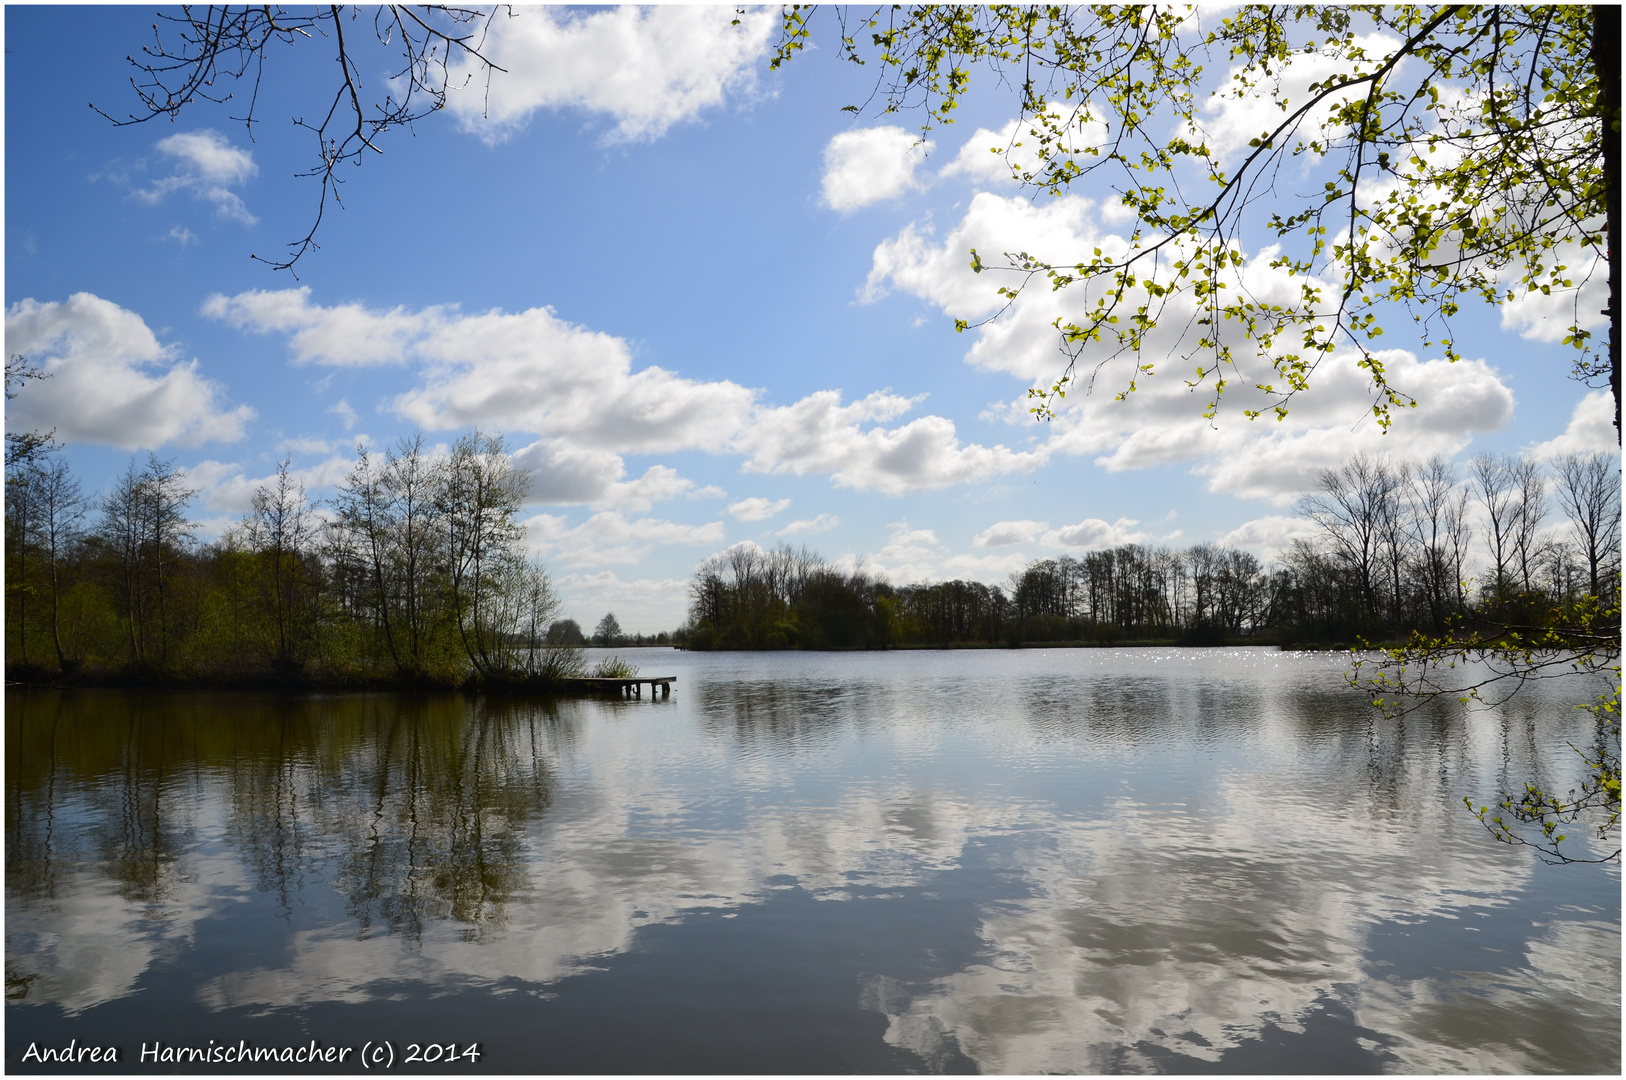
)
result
[(1487, 665), (1469, 151)]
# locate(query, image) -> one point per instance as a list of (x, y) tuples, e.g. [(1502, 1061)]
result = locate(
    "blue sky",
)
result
[(702, 303)]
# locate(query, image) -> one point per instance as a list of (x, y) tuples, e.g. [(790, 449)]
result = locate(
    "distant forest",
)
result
[(1394, 549), (416, 573)]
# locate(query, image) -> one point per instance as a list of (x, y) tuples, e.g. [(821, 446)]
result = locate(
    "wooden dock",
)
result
[(632, 686)]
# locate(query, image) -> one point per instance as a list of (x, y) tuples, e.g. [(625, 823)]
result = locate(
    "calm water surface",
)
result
[(1018, 862)]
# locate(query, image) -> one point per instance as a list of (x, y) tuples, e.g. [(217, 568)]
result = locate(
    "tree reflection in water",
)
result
[(416, 808)]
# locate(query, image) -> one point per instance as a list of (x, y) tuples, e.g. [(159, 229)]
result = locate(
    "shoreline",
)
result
[(39, 678)]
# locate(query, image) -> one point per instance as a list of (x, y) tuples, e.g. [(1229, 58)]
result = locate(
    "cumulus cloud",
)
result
[(821, 435), (756, 508), (110, 381), (913, 556), (1005, 533), (345, 335), (576, 389), (1591, 428), (871, 165), (1230, 119), (207, 166), (1269, 536), (1095, 533), (1011, 153), (1549, 316), (532, 371), (909, 555), (609, 538), (657, 484), (644, 68), (1161, 421), (226, 487), (1089, 533), (643, 605), (563, 474), (810, 527)]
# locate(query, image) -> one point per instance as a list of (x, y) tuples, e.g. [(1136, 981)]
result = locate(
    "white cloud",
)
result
[(181, 235), (810, 527), (346, 335), (1548, 316), (659, 483), (345, 413), (642, 606), (1161, 422), (226, 488), (1089, 533), (912, 556), (608, 538), (756, 508), (562, 474), (909, 555), (987, 156), (820, 435), (1095, 533), (1005, 533), (1230, 120), (111, 382), (645, 68), (870, 165), (576, 389), (1269, 536), (532, 371), (1591, 427), (1011, 153), (208, 166)]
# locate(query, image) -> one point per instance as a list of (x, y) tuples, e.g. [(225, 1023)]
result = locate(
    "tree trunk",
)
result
[(1606, 63)]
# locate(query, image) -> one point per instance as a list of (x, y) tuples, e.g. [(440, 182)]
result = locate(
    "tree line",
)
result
[(414, 572), (1392, 548)]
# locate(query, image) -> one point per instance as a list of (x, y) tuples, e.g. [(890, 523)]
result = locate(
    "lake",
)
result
[(1093, 860)]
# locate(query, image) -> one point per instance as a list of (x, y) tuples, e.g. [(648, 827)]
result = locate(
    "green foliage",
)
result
[(1449, 153), (613, 667), (418, 578), (1485, 661)]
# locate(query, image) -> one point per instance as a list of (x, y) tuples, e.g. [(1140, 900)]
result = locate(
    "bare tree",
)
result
[(538, 604), (1437, 508), (608, 630), (1589, 493), (164, 497), (1353, 505), (196, 54), (143, 525), (121, 531), (280, 529), (1497, 493), (21, 510), (56, 525), (1529, 507)]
